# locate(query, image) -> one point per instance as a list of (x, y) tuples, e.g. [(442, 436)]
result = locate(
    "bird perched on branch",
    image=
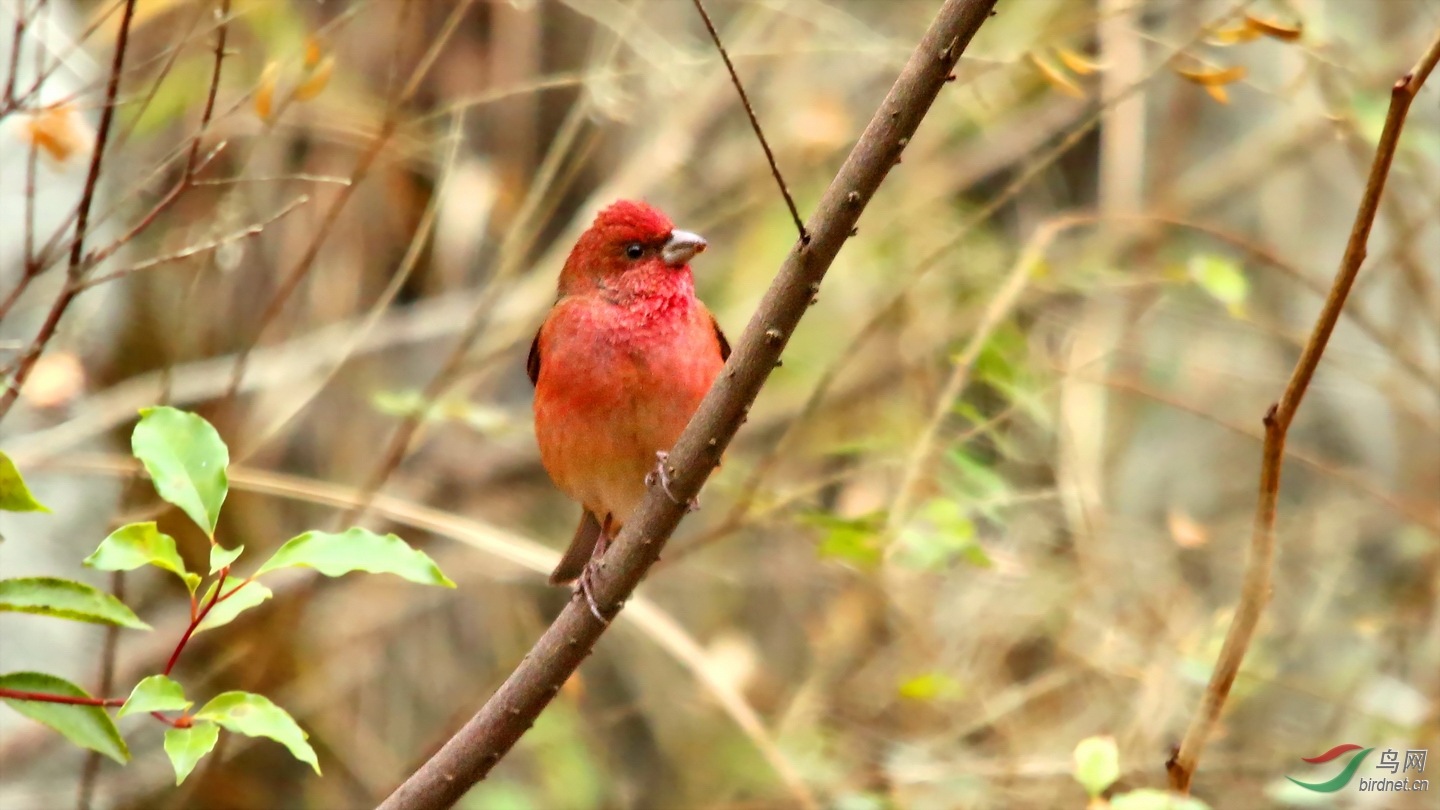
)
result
[(619, 366)]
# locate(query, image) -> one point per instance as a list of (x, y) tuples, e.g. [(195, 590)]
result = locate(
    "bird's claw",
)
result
[(660, 475), (585, 586)]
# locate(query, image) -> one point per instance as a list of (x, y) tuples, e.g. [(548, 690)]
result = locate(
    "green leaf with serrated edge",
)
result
[(156, 693), (186, 460), (221, 557), (357, 550), (1097, 764), (186, 746), (139, 544), (225, 611), (1151, 799), (66, 599), (255, 716), (86, 726), (14, 495)]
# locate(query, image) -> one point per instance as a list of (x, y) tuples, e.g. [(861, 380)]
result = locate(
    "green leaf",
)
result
[(86, 726), (1151, 799), (14, 495), (248, 596), (130, 547), (255, 716), (939, 535), (1222, 278), (185, 746), (186, 460), (156, 693), (357, 550), (66, 599), (854, 540), (1097, 764), (220, 557)]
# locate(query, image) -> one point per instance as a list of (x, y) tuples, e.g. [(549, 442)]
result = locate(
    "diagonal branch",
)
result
[(491, 733), (754, 122), (1255, 588)]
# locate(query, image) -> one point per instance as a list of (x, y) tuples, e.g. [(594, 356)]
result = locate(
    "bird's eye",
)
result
[(634, 251)]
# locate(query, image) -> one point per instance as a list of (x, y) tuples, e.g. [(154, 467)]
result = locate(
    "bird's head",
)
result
[(630, 247)]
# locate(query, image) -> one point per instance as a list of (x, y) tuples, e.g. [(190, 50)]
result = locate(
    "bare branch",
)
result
[(77, 249), (1255, 588), (490, 734), (754, 122)]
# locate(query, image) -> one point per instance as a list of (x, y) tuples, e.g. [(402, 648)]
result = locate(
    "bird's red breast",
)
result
[(623, 359)]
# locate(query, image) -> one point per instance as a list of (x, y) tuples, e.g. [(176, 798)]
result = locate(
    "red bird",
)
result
[(619, 366)]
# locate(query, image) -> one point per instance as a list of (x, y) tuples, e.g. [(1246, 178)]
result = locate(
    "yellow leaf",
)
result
[(316, 81), (1056, 78), (1234, 35), (1218, 93), (58, 131), (1275, 30), (265, 92), (313, 52), (1077, 63), (1213, 77)]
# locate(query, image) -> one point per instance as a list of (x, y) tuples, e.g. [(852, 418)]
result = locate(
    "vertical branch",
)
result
[(91, 768), (1255, 587), (82, 220), (494, 730)]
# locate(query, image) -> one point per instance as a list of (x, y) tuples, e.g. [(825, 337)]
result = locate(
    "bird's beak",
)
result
[(682, 246)]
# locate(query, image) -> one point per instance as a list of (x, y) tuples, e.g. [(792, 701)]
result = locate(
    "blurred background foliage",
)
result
[(996, 501)]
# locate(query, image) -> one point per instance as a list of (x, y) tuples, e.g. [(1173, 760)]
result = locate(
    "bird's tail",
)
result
[(582, 546)]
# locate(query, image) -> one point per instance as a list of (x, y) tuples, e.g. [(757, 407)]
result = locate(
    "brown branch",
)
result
[(91, 769), (87, 198), (475, 749), (388, 127), (1255, 588), (754, 122)]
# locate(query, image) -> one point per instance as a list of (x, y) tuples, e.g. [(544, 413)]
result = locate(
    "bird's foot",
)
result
[(585, 585), (660, 475)]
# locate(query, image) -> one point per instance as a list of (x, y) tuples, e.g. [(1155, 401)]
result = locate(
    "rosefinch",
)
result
[(619, 366)]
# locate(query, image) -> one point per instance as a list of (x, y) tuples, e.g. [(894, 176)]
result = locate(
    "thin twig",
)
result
[(291, 282), (754, 122), (491, 733), (47, 697), (1255, 588), (999, 308), (91, 769), (199, 247), (77, 250)]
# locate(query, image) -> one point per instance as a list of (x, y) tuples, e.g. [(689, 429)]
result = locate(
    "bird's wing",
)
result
[(582, 546), (719, 335), (532, 363)]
